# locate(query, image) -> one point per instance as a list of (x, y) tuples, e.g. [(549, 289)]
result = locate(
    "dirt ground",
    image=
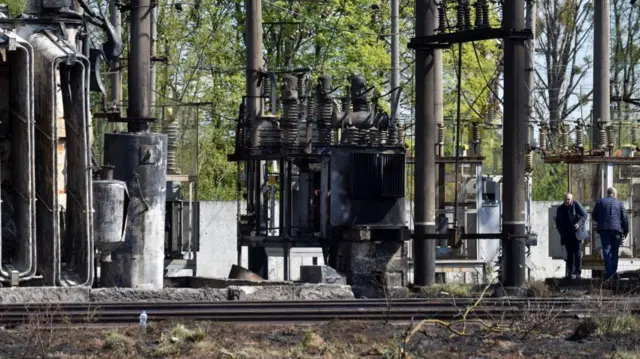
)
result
[(544, 338)]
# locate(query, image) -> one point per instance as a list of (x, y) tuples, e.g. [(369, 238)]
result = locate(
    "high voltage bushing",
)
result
[(478, 12), (485, 13), (302, 109), (610, 137), (579, 137), (543, 138), (467, 14), (634, 134), (359, 93), (475, 131), (528, 164), (383, 137), (344, 103), (266, 86), (171, 129), (354, 136), (289, 122), (373, 137), (564, 137), (460, 16), (602, 134), (442, 12), (325, 109)]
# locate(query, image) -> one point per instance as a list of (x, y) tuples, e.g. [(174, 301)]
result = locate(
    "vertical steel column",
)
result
[(601, 75), (425, 159), (139, 66), (601, 85), (513, 154), (395, 60)]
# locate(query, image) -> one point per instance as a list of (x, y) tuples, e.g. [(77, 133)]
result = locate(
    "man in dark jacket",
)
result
[(570, 218), (613, 227)]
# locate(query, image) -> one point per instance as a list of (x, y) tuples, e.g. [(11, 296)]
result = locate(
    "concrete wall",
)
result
[(218, 244)]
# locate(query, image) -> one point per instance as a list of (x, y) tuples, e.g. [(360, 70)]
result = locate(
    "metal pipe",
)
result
[(395, 59), (514, 148), (116, 76), (154, 43), (254, 61), (530, 23), (139, 76), (424, 249)]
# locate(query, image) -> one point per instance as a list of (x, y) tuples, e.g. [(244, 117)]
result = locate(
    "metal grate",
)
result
[(374, 175)]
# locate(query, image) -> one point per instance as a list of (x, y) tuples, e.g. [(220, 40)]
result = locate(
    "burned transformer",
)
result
[(345, 192)]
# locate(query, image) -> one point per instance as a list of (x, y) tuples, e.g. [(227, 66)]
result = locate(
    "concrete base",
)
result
[(374, 265), (223, 292)]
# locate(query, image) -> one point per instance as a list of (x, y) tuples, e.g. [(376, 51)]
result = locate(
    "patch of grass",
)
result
[(626, 355), (176, 339), (448, 289), (620, 324), (539, 289), (116, 341)]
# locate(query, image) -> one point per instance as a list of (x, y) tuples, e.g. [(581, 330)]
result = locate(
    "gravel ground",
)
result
[(331, 340)]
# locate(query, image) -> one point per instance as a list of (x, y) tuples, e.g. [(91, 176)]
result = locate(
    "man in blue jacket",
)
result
[(570, 218), (613, 227)]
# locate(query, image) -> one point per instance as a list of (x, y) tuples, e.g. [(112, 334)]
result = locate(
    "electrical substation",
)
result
[(320, 165)]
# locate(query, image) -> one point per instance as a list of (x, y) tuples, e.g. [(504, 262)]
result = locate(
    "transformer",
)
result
[(343, 191)]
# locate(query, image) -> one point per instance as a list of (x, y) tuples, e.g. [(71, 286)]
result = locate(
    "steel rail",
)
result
[(310, 311)]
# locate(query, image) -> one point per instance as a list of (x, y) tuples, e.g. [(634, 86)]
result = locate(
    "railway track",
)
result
[(399, 310)]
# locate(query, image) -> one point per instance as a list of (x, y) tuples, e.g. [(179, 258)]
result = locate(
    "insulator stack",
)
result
[(610, 136), (373, 137), (345, 104), (171, 129), (266, 86), (485, 13), (440, 138), (528, 164), (442, 9), (354, 136), (634, 134), (460, 16), (579, 136), (478, 12), (325, 110), (391, 135), (384, 137), (289, 123), (603, 137), (564, 138), (400, 133), (475, 130), (467, 14), (543, 139)]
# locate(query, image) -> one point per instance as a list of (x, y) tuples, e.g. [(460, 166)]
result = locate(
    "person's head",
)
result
[(611, 192), (568, 199)]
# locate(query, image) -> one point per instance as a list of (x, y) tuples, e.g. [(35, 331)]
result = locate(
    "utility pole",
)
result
[(601, 86), (258, 262), (425, 157), (514, 147), (395, 59), (116, 76)]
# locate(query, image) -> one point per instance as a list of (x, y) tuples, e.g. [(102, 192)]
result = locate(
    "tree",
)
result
[(563, 28)]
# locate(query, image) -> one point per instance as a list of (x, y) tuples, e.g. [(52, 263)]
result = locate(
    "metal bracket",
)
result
[(8, 42), (444, 40)]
